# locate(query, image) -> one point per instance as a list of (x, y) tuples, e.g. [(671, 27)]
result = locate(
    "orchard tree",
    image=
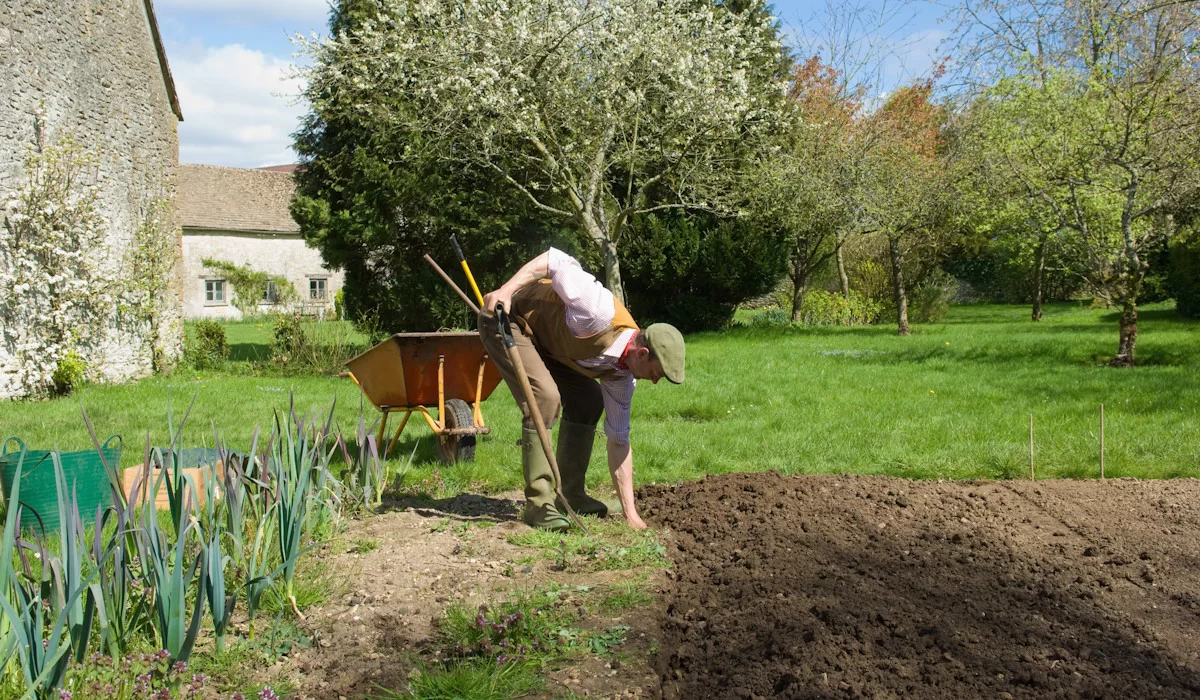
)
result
[(1105, 99), (908, 194), (808, 182), (592, 112), (373, 200), (1025, 139)]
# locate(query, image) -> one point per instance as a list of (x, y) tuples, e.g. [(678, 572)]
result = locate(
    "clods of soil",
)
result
[(848, 586)]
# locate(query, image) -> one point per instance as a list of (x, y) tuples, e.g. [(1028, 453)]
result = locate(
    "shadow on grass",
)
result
[(249, 352), (465, 506), (1168, 316)]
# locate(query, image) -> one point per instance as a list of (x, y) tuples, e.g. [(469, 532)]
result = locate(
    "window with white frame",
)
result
[(317, 289), (214, 291)]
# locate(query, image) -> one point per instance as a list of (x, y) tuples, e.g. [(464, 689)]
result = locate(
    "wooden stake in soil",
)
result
[(1032, 474), (1102, 442)]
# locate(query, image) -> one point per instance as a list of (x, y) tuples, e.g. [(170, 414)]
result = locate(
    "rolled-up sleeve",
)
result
[(618, 399), (590, 307)]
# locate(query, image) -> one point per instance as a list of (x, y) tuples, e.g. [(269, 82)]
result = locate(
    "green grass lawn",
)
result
[(951, 401)]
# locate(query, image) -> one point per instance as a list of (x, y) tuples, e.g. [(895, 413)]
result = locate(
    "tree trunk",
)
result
[(898, 286), (1128, 339), (799, 274), (608, 248), (799, 289), (612, 271), (841, 265), (1039, 269), (1132, 280)]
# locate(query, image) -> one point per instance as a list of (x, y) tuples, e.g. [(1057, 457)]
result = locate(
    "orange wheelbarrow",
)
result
[(414, 372)]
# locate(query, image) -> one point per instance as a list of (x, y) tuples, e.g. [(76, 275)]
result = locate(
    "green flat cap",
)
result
[(666, 344)]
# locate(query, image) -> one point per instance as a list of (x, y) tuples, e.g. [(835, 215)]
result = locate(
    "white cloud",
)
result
[(239, 107), (306, 12)]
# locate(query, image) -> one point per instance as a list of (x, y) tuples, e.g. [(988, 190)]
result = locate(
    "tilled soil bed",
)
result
[(846, 586)]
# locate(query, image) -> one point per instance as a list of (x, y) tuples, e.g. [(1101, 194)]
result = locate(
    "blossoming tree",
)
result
[(56, 284), (592, 111)]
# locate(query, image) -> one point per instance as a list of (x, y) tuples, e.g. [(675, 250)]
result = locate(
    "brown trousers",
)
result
[(556, 387)]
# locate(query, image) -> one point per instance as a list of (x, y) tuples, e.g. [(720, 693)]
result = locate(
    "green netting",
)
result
[(84, 472)]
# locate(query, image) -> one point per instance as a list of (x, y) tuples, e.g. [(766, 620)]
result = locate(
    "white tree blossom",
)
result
[(593, 110), (57, 292)]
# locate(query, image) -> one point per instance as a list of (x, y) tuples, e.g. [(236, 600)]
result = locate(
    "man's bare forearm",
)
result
[(530, 272), (620, 466)]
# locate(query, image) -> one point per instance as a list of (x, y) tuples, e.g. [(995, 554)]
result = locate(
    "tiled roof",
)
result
[(235, 199)]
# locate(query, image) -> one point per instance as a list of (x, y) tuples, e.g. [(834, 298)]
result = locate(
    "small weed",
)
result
[(231, 671), (234, 669), (531, 626), (315, 583), (478, 678), (497, 650), (363, 545), (610, 547), (606, 641), (625, 596), (141, 674), (441, 526)]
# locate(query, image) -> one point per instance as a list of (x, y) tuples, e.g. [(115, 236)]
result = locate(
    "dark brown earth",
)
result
[(846, 586)]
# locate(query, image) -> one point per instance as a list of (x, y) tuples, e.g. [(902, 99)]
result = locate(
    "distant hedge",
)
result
[(1185, 273)]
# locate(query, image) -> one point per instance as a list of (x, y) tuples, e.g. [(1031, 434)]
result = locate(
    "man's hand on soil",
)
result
[(635, 521)]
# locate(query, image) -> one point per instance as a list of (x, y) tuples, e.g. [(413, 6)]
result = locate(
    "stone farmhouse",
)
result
[(241, 217), (95, 71)]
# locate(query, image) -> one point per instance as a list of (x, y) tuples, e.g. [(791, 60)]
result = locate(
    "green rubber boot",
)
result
[(540, 511), (574, 451)]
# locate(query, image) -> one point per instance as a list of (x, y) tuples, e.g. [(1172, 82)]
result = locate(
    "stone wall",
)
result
[(286, 255), (91, 68)]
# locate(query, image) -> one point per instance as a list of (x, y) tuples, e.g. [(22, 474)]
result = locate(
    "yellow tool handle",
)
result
[(471, 279), (462, 259)]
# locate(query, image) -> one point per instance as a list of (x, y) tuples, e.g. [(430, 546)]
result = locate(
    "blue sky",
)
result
[(232, 63)]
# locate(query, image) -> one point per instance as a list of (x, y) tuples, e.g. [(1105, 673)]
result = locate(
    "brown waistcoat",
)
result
[(541, 315)]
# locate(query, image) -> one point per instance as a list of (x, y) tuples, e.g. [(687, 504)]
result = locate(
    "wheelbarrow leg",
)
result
[(382, 428), (396, 437), (476, 413), (442, 389)]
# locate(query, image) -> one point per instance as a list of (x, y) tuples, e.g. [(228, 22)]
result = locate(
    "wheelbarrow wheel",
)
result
[(457, 448)]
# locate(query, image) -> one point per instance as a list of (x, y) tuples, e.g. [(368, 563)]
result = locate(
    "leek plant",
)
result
[(176, 480), (43, 659), (8, 637), (220, 606), (299, 467), (259, 578), (235, 484), (169, 571), (65, 572), (120, 607), (366, 469)]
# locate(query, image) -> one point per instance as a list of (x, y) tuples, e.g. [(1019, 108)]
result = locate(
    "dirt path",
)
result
[(425, 557), (846, 586)]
